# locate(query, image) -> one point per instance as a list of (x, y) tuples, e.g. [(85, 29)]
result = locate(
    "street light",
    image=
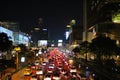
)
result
[(17, 49), (68, 26)]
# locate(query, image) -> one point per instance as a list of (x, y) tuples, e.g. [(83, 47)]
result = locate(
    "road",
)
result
[(58, 64)]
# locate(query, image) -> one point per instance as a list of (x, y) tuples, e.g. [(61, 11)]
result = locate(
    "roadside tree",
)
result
[(84, 48), (5, 43), (103, 46)]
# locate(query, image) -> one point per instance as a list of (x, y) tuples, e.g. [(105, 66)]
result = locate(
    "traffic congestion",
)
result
[(52, 65)]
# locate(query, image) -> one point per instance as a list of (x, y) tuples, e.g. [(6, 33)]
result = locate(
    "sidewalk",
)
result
[(18, 75), (6, 72)]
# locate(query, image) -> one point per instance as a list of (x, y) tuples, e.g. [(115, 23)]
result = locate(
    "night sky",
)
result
[(55, 14)]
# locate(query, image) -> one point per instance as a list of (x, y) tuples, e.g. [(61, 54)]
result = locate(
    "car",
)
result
[(39, 71), (44, 63), (27, 72), (33, 77), (63, 72), (56, 76), (51, 65), (60, 67), (33, 66), (37, 62), (49, 71), (83, 77), (48, 76), (73, 70)]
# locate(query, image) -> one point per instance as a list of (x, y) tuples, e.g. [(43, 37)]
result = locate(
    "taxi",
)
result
[(27, 72)]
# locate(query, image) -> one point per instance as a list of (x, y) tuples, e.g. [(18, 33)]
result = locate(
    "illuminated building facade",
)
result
[(39, 34), (103, 17), (14, 26), (101, 11), (14, 34), (74, 33)]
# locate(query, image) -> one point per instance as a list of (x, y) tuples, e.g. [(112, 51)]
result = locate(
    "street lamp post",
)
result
[(17, 49), (16, 59)]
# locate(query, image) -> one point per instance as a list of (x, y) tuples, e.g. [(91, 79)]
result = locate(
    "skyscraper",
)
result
[(101, 10), (103, 14), (39, 32)]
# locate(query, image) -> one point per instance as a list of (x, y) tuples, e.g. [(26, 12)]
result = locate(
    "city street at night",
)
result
[(60, 40)]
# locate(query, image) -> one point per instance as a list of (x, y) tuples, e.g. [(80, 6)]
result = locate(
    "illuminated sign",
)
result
[(60, 41), (59, 44), (67, 35), (22, 59), (23, 39), (42, 43)]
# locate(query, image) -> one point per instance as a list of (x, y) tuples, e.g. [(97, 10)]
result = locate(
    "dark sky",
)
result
[(55, 14)]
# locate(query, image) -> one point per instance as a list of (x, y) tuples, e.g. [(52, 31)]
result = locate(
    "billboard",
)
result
[(67, 35), (60, 41), (20, 39), (23, 39), (42, 42)]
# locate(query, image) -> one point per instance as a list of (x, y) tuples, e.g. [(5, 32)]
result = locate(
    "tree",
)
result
[(27, 53), (5, 43), (102, 45), (22, 53), (84, 48), (30, 55), (23, 48), (76, 50)]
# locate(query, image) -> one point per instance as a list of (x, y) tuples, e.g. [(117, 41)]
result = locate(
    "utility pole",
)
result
[(85, 19), (85, 22)]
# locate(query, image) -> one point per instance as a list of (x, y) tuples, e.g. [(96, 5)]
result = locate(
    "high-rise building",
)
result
[(101, 11), (14, 26), (101, 15), (74, 33), (14, 34), (39, 34)]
